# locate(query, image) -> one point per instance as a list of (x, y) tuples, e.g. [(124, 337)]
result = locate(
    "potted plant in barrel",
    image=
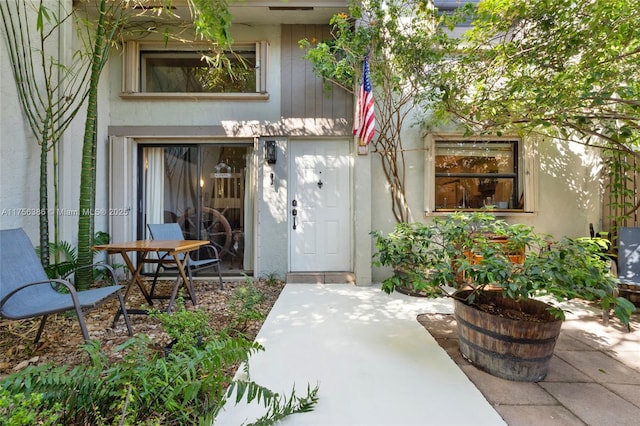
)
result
[(496, 272)]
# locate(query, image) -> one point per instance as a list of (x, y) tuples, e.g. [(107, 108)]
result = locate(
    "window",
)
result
[(159, 70), (188, 72), (450, 6), (476, 173)]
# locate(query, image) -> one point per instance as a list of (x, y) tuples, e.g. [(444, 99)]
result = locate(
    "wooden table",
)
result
[(179, 249)]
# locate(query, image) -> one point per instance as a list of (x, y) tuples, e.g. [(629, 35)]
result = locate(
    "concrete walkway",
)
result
[(373, 362)]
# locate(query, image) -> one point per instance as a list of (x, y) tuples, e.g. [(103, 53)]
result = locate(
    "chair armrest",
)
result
[(65, 283), (210, 247), (106, 266)]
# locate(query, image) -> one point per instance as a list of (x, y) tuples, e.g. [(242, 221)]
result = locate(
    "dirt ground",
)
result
[(61, 341)]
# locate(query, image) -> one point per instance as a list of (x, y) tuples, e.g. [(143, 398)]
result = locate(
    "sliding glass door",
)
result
[(208, 190)]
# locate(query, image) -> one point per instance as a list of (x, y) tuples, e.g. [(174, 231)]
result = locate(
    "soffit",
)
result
[(263, 12)]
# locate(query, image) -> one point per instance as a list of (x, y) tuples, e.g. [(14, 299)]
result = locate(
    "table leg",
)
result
[(181, 276), (138, 281), (134, 279)]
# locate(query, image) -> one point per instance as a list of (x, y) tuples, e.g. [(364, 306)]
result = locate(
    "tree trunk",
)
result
[(86, 217), (44, 204)]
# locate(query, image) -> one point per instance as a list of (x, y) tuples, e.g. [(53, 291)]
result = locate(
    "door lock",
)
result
[(294, 212)]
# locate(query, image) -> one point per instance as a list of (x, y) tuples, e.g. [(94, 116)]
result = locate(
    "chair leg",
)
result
[(124, 314), (174, 294), (83, 325), (155, 280), (116, 317), (220, 276), (40, 328)]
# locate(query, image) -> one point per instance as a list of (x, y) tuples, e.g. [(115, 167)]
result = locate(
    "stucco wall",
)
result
[(199, 112), (273, 229), (19, 164), (19, 150), (569, 190), (237, 119)]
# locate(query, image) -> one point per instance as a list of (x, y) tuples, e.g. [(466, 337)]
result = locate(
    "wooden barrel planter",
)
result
[(511, 349)]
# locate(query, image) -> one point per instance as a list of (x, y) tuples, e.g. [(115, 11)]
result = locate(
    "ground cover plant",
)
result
[(181, 372)]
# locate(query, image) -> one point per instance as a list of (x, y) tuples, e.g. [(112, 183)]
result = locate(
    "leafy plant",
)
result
[(244, 307), (50, 92), (188, 385), (185, 327), (407, 250), (66, 258), (479, 252), (271, 278), (19, 409)]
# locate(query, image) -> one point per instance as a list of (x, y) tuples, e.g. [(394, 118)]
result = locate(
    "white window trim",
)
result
[(529, 166), (131, 72)]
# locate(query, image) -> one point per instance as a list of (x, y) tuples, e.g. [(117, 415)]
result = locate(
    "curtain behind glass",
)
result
[(181, 185), (154, 187)]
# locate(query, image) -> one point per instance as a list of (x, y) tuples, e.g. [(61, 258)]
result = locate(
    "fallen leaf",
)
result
[(24, 364)]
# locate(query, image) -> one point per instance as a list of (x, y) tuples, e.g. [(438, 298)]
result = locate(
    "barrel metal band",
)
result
[(505, 338), (504, 356)]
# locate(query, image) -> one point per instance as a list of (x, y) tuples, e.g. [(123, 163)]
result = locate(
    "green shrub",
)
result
[(271, 278), (481, 252), (407, 250), (19, 410), (187, 385), (244, 308), (184, 327), (65, 258)]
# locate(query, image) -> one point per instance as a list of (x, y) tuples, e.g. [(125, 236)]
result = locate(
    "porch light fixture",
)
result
[(270, 152)]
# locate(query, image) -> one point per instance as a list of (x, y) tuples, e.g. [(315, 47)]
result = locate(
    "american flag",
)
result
[(364, 123)]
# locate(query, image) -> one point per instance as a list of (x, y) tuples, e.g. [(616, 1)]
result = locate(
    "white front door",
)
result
[(319, 206)]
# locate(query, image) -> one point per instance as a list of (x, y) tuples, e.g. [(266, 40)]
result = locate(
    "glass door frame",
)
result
[(200, 146)]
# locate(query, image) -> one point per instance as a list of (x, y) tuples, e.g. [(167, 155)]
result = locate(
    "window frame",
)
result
[(132, 71), (527, 171)]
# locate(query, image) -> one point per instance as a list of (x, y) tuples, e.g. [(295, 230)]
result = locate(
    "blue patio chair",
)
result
[(27, 292), (172, 231), (629, 263)]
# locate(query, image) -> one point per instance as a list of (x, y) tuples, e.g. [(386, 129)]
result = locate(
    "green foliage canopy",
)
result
[(565, 68), (402, 38)]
